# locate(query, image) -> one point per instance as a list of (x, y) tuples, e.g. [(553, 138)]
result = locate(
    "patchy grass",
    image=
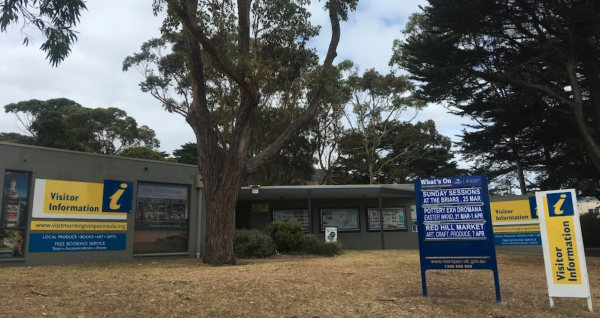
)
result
[(356, 284)]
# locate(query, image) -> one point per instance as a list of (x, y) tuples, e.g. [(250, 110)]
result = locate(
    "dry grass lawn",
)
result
[(356, 284)]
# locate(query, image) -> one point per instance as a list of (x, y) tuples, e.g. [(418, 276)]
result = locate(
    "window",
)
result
[(300, 216), (161, 218), (346, 220), (393, 219), (13, 219)]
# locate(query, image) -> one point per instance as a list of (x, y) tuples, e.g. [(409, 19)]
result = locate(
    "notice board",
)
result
[(455, 226)]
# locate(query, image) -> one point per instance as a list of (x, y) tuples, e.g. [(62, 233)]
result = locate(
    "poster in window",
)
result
[(161, 223), (346, 220), (300, 216), (393, 219), (15, 194), (11, 243), (13, 216)]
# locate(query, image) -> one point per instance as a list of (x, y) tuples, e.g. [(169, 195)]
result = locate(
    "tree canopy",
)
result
[(532, 65), (141, 152), (405, 152), (65, 124), (219, 64)]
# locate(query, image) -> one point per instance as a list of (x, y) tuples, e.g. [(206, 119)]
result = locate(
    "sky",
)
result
[(111, 30)]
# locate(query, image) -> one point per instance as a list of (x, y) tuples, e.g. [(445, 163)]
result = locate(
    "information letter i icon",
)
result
[(114, 199), (558, 206)]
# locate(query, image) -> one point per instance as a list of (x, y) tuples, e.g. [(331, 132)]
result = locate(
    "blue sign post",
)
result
[(455, 226)]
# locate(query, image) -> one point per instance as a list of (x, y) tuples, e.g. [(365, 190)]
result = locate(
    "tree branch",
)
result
[(224, 64), (542, 88), (198, 114), (255, 162)]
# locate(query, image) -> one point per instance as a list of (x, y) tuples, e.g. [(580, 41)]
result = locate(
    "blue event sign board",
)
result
[(455, 226), (69, 242), (453, 213)]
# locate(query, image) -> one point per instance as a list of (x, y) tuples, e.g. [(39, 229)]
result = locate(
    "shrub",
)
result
[(312, 245), (288, 236), (252, 244)]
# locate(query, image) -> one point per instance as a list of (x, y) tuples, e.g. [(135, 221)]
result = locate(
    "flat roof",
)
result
[(83, 153), (327, 191)]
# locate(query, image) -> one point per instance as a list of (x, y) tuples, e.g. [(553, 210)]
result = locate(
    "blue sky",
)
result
[(92, 75)]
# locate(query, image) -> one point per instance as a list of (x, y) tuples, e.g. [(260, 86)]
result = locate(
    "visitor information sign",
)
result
[(566, 269), (454, 226)]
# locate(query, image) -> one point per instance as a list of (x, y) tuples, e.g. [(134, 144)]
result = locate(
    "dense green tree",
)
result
[(407, 151), (514, 142), (419, 151), (16, 138), (63, 123), (188, 153), (141, 152), (468, 52), (27, 111), (377, 102), (51, 130)]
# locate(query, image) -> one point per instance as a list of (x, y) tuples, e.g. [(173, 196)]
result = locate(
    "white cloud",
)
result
[(92, 74), (112, 30)]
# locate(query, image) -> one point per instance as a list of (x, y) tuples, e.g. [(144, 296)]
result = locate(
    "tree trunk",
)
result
[(520, 172), (580, 119), (521, 177), (220, 208), (328, 176), (224, 169), (221, 188)]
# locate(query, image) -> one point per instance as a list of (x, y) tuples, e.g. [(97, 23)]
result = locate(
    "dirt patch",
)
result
[(356, 284)]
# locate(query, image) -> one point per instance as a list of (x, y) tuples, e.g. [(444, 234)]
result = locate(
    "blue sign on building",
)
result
[(117, 196), (518, 239), (455, 226), (533, 208), (69, 242)]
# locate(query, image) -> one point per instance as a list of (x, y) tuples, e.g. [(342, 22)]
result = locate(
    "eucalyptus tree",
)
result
[(328, 127), (232, 59), (406, 151), (377, 102)]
